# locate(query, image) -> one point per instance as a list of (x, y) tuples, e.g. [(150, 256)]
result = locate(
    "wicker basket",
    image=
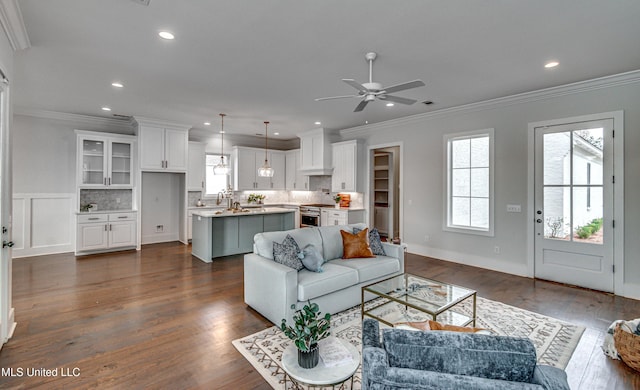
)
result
[(628, 346)]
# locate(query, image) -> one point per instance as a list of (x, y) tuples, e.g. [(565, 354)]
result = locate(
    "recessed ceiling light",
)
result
[(106, 109), (117, 84), (166, 35), (317, 123), (551, 64), (366, 122), (222, 131), (207, 123), (390, 104), (276, 133)]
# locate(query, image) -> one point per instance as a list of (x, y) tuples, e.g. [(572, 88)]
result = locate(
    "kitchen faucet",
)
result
[(219, 198)]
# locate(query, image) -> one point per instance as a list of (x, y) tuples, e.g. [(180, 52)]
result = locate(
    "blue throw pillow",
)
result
[(311, 258), (287, 253), (374, 241)]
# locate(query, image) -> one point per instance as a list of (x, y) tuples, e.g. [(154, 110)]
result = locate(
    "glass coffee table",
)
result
[(435, 299)]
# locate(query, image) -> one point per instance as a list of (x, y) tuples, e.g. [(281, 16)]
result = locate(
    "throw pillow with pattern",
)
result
[(287, 253), (375, 243)]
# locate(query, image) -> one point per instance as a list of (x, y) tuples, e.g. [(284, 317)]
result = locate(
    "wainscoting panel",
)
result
[(43, 224)]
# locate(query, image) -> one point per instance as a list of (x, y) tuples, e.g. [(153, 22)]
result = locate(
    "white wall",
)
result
[(161, 202), (423, 172), (44, 168)]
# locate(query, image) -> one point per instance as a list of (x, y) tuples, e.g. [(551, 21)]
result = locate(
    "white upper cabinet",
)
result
[(345, 167), (163, 147), (104, 160), (246, 163), (196, 168), (315, 152), (295, 180)]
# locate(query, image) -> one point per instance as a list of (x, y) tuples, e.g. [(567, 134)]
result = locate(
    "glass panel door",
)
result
[(93, 162), (120, 163)]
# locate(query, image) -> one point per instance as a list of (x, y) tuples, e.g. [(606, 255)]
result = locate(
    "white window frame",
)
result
[(447, 224), (206, 175)]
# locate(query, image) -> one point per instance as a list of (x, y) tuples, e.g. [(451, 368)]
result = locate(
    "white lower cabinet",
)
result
[(103, 232), (330, 217)]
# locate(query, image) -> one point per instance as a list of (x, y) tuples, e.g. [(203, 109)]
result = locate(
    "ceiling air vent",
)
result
[(143, 2), (427, 102)]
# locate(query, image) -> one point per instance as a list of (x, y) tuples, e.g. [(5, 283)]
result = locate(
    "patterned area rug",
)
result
[(554, 340)]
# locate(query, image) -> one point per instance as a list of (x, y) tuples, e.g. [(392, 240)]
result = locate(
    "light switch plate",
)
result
[(514, 208)]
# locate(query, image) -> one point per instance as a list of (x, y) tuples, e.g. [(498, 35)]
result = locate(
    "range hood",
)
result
[(315, 153)]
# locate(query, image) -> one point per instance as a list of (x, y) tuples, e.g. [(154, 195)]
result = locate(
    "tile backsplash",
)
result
[(108, 199)]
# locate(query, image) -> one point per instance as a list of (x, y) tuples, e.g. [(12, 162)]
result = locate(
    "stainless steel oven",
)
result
[(310, 214)]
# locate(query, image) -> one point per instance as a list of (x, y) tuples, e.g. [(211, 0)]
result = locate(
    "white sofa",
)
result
[(271, 288)]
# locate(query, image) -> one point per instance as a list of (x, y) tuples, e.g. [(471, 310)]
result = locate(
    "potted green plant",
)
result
[(336, 199), (309, 326), (258, 198)]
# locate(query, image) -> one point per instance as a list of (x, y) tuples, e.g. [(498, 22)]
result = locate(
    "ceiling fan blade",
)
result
[(361, 106), (335, 97), (403, 86), (355, 84), (397, 99)]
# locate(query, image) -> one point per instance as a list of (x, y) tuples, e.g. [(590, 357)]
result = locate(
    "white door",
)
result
[(7, 323), (574, 204), (122, 234), (151, 147), (92, 236), (176, 145)]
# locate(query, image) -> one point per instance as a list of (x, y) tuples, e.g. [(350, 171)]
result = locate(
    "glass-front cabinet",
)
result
[(104, 161)]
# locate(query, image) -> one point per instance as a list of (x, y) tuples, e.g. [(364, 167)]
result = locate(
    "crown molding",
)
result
[(626, 78), (13, 24), (159, 122), (81, 121)]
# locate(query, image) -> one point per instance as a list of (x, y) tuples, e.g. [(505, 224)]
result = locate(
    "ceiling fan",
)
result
[(371, 91)]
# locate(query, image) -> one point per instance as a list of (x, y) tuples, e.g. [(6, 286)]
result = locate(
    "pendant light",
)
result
[(265, 170), (221, 168)]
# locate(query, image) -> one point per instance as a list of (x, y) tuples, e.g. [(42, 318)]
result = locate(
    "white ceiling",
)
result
[(268, 60)]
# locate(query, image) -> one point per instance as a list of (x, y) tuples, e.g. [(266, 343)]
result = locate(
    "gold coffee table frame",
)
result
[(425, 295)]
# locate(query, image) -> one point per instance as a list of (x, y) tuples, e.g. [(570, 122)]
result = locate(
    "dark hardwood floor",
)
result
[(160, 318)]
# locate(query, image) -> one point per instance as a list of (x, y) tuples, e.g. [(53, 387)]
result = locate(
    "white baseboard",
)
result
[(49, 250), (159, 237), (631, 290), (472, 260)]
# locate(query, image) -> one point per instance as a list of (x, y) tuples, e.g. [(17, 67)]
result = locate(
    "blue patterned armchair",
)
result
[(444, 360)]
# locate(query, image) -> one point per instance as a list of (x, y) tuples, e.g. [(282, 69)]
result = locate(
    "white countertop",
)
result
[(251, 211), (105, 212)]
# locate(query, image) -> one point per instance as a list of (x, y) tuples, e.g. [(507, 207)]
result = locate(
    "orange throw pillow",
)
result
[(355, 246)]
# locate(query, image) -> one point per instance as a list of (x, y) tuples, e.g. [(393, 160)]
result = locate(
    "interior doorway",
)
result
[(384, 191)]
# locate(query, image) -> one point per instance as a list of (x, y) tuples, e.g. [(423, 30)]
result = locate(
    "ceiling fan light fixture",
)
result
[(221, 168), (265, 170)]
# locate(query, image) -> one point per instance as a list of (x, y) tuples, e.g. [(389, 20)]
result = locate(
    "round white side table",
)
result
[(320, 375)]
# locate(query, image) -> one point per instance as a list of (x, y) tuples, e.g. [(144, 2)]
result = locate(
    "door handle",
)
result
[(7, 244), (539, 212), (538, 220)]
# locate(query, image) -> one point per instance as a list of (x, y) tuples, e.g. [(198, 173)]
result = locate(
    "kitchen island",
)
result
[(229, 232)]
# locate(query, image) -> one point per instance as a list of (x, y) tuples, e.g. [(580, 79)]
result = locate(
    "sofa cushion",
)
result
[(492, 357), (371, 268), (333, 278), (263, 242), (332, 240)]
